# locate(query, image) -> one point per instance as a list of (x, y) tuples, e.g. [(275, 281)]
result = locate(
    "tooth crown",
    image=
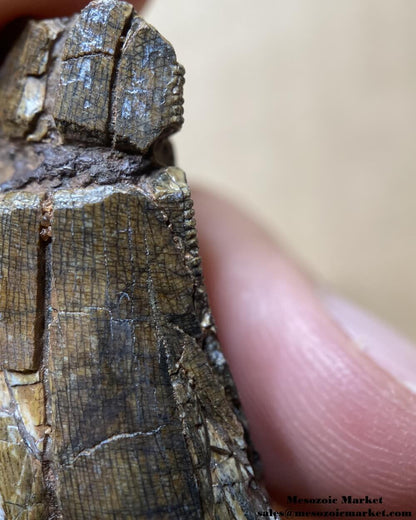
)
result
[(105, 77)]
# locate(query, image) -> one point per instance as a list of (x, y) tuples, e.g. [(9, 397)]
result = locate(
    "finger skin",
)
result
[(326, 419), (9, 10)]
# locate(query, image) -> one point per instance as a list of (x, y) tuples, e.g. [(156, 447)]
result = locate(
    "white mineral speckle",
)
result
[(32, 99)]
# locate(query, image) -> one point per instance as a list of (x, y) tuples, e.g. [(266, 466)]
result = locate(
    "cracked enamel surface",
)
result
[(23, 101), (112, 387), (122, 383), (22, 432), (102, 77)]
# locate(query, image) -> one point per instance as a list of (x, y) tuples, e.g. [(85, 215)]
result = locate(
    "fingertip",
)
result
[(325, 417), (44, 8), (41, 9)]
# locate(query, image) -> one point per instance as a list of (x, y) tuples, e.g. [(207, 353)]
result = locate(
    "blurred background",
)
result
[(304, 113)]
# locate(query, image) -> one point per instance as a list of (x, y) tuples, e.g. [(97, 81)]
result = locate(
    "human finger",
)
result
[(43, 8), (327, 416)]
